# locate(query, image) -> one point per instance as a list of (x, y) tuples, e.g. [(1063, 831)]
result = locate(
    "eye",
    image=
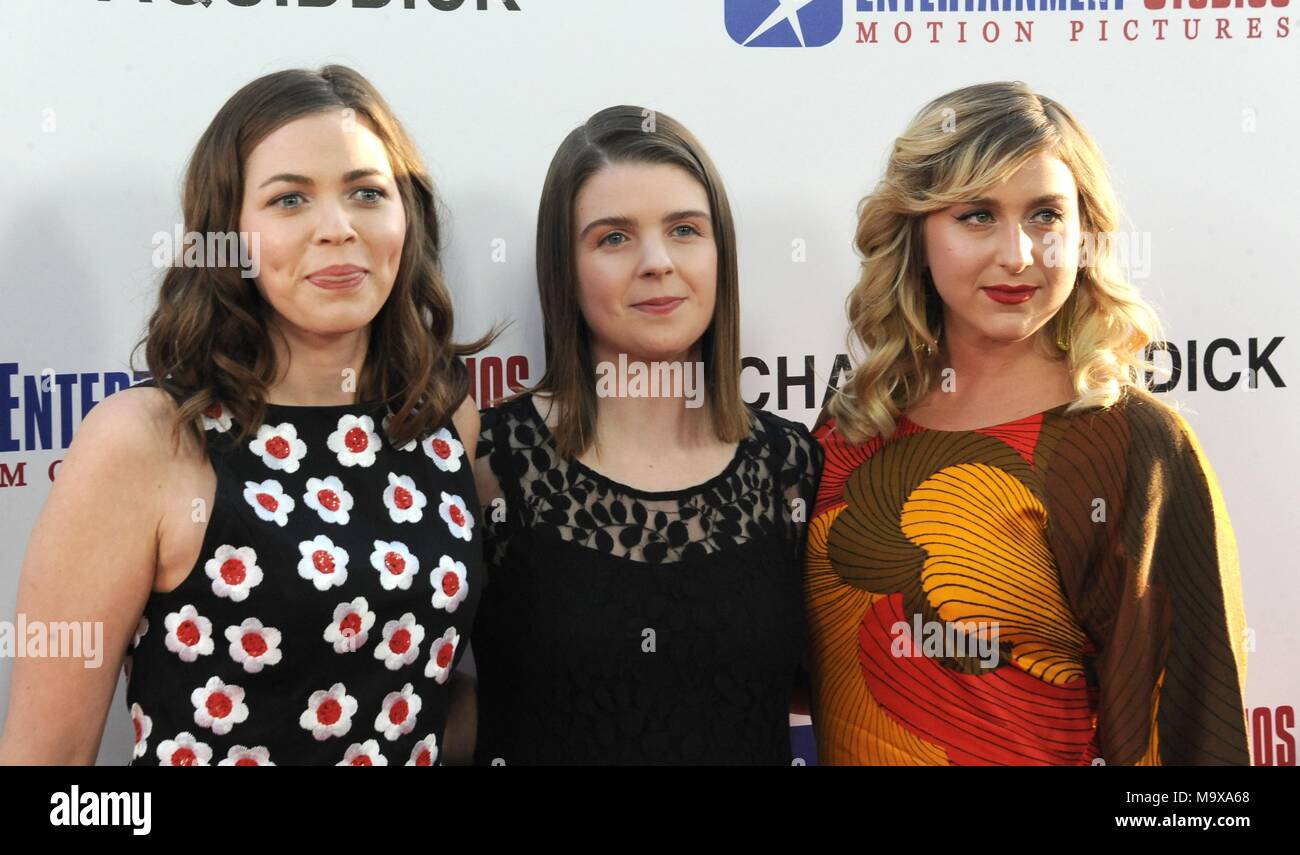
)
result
[(1055, 216), (608, 240), (278, 199), (966, 218), (690, 230), (380, 195)]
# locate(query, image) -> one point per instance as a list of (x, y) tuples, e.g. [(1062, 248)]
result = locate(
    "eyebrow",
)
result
[(1045, 199), (293, 178), (625, 222)]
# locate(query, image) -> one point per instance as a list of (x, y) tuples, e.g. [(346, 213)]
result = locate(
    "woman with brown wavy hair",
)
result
[(1018, 555), (278, 531)]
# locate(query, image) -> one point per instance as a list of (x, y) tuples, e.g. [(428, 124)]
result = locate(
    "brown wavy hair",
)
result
[(627, 134), (208, 341)]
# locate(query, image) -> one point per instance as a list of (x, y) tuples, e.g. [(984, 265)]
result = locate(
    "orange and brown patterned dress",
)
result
[(1092, 554)]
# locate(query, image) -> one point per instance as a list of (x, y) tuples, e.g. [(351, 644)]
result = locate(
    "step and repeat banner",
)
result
[(1193, 103)]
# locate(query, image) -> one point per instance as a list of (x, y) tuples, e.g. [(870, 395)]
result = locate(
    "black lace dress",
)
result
[(624, 626)]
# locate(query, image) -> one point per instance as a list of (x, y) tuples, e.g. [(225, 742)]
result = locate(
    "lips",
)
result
[(337, 276), (1010, 294), (659, 305)]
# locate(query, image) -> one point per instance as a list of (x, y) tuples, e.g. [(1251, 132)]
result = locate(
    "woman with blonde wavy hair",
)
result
[(1018, 555), (277, 533)]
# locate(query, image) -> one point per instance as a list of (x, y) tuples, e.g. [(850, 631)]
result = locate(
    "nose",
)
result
[(1015, 249), (656, 262), (333, 224)]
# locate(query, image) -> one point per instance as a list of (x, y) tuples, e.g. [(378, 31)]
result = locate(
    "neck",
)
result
[(987, 369), (317, 370), (628, 416)]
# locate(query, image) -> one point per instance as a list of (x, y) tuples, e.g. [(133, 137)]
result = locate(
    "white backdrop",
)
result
[(104, 100)]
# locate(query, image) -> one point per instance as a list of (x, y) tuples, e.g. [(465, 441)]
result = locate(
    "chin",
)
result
[(339, 325), (661, 350), (1014, 336)]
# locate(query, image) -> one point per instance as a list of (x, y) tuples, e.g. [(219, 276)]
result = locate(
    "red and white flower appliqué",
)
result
[(403, 499), (269, 501), (239, 755), (444, 450), (219, 706), (233, 571), (401, 644), (450, 585), (397, 716), (323, 564), (253, 645), (441, 654), (363, 754), (395, 563), (355, 441), (184, 750), (351, 626), (456, 516), (327, 497), (143, 726), (329, 713), (189, 634), (216, 418), (279, 447), (425, 752)]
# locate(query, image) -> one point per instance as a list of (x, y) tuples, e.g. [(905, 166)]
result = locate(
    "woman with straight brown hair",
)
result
[(643, 524), (278, 531)]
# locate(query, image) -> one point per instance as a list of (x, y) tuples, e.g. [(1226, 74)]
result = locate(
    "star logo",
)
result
[(784, 23)]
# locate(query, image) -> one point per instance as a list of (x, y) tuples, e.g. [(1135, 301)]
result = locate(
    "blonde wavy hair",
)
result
[(956, 147)]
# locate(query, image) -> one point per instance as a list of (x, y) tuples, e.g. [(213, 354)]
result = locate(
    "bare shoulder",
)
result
[(466, 419), (134, 426), (126, 447)]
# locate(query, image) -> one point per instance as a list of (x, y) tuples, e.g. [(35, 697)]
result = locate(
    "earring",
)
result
[(932, 294), (1065, 324)]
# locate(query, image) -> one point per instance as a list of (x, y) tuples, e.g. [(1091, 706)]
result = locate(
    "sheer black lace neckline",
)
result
[(539, 423)]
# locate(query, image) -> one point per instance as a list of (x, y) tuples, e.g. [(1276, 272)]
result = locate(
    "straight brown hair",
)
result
[(627, 134), (208, 341)]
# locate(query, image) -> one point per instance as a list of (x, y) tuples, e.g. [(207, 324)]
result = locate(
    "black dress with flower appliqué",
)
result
[(632, 627), (335, 588)]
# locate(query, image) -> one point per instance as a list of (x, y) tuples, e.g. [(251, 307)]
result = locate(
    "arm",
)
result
[(91, 557), (1158, 593), (462, 704), (466, 419), (1184, 539), (462, 718), (491, 494)]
